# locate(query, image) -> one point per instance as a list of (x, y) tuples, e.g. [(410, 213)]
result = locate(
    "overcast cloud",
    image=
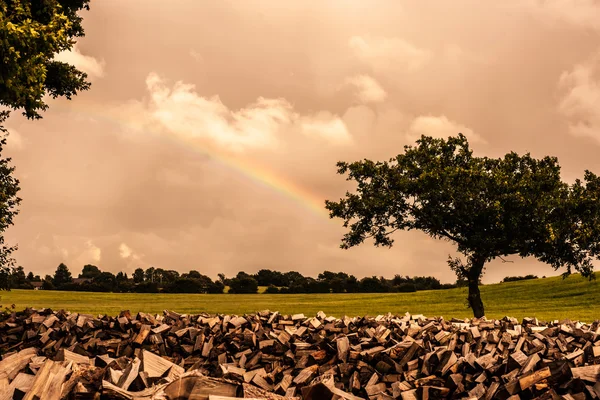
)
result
[(137, 171)]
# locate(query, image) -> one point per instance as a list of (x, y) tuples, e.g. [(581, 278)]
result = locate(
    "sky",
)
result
[(209, 137)]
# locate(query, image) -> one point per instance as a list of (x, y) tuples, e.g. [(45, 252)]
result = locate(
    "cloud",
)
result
[(382, 53), (368, 90), (328, 127), (440, 127), (87, 64), (581, 97), (80, 254), (181, 111), (124, 251), (580, 13)]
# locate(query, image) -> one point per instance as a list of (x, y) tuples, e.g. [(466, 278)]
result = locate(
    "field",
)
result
[(547, 299)]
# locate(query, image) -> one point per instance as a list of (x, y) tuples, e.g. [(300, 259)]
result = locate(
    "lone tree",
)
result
[(488, 207)]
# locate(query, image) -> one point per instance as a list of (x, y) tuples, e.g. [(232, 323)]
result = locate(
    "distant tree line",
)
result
[(327, 282), (155, 280)]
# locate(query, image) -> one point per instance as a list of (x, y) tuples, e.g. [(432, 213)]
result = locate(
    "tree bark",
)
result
[(475, 302)]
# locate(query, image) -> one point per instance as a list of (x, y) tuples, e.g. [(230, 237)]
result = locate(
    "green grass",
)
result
[(550, 298), (261, 289)]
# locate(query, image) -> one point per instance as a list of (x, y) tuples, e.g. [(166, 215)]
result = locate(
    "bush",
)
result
[(215, 288), (519, 278), (47, 285), (406, 287), (372, 285), (146, 287), (243, 285), (184, 285), (272, 289)]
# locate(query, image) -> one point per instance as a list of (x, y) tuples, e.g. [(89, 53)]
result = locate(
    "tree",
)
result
[(32, 33), (121, 277), (372, 285), (107, 281), (215, 288), (9, 203), (47, 283), (266, 277), (291, 277), (62, 275), (243, 283), (185, 285), (90, 271), (17, 277), (193, 274), (169, 276), (30, 277), (138, 275), (272, 289), (488, 207), (149, 275)]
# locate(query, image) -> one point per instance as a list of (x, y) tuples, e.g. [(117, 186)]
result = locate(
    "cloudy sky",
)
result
[(210, 135)]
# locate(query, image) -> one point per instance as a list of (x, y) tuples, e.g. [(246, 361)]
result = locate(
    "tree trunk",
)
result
[(474, 298)]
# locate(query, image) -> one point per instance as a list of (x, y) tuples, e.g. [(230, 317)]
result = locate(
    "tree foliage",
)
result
[(9, 208), (31, 34), (488, 207), (90, 271), (243, 283), (62, 275)]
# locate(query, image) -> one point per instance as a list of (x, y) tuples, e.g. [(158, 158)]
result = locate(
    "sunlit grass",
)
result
[(550, 298)]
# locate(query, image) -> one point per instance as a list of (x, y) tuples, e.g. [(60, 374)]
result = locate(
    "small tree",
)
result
[(138, 275), (488, 207), (90, 271), (62, 275), (243, 283)]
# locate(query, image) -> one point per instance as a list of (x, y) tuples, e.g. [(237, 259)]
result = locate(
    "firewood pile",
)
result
[(61, 355)]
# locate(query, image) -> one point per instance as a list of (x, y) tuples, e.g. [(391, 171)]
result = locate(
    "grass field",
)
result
[(549, 298)]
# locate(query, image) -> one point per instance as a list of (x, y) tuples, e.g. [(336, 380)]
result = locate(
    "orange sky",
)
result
[(212, 129)]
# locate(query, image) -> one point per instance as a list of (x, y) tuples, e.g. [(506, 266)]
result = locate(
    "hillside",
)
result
[(549, 298)]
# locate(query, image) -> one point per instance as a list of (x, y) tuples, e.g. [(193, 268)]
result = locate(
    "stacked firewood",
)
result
[(60, 355)]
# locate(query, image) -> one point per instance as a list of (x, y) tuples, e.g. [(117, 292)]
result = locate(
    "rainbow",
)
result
[(250, 169)]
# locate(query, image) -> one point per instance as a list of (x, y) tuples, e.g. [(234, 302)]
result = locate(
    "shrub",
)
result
[(272, 289), (243, 284), (406, 287), (519, 278), (146, 287)]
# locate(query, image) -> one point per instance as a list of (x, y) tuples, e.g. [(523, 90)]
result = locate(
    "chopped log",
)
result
[(22, 382), (157, 367), (406, 356), (13, 364), (590, 373), (343, 345), (48, 381), (534, 377)]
